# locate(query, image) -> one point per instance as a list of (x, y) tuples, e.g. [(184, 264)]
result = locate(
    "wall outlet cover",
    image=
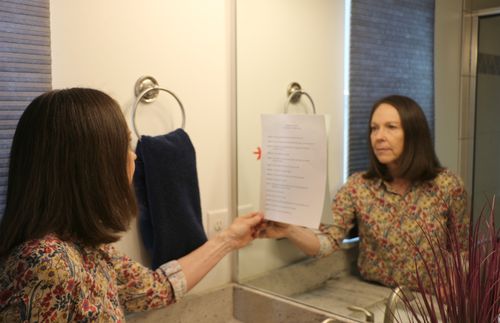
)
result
[(217, 221)]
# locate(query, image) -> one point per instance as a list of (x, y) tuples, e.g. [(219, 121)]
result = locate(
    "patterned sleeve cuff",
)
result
[(325, 245), (175, 276)]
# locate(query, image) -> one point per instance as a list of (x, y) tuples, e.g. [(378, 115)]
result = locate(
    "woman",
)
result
[(403, 199), (69, 196)]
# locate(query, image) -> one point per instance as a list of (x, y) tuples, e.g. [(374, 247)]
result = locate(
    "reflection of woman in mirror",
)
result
[(404, 192), (69, 196)]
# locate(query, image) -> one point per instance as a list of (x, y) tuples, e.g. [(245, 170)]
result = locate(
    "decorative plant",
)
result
[(463, 285)]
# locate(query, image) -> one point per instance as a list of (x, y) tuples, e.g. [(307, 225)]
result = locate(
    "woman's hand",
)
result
[(243, 229), (274, 230)]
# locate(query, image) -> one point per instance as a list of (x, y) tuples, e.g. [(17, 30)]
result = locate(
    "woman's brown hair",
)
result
[(418, 162), (68, 171)]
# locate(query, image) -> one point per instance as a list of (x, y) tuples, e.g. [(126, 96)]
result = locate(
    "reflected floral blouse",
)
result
[(49, 280), (391, 226)]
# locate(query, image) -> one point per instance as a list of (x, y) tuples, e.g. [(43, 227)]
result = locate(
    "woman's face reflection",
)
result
[(387, 135)]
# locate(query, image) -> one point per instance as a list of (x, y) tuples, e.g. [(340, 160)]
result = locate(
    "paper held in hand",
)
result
[(294, 168)]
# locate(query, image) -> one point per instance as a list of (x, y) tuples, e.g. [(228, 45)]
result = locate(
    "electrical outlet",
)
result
[(217, 221)]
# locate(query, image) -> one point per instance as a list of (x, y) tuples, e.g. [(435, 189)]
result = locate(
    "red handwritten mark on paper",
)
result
[(258, 152)]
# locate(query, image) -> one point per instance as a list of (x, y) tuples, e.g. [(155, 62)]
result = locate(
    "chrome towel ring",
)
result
[(294, 92), (147, 90)]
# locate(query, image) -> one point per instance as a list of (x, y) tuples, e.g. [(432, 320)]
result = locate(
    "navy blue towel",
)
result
[(166, 185)]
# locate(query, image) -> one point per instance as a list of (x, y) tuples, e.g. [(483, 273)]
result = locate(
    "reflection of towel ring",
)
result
[(148, 95), (294, 93)]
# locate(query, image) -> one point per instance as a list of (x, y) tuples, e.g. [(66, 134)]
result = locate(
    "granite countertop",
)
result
[(331, 283)]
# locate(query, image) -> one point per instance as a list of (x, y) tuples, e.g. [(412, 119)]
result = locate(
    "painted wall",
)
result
[(484, 4), (185, 45)]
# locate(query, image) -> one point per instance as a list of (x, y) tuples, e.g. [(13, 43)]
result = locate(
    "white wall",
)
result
[(186, 46)]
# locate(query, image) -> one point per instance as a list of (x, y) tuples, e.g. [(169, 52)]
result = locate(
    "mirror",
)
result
[(293, 41), (280, 42), (285, 41)]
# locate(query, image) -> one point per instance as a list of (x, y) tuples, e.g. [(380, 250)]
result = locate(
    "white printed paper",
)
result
[(294, 168)]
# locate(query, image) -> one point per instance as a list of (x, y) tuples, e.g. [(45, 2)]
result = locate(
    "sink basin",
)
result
[(235, 303)]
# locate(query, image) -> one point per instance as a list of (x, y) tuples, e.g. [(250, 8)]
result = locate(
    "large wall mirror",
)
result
[(285, 41), (280, 42)]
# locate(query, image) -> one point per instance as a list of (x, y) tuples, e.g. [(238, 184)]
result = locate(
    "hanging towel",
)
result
[(166, 185)]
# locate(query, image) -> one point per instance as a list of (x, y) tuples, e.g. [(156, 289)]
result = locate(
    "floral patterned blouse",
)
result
[(49, 280), (391, 226)]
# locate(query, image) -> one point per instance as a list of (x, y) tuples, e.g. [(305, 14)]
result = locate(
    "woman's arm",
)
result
[(303, 238), (140, 288), (199, 262), (459, 220)]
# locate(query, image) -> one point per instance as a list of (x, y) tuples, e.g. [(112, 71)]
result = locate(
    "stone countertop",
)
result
[(331, 283), (235, 303), (308, 274), (339, 293)]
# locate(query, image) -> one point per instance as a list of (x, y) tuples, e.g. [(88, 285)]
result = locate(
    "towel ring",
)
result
[(151, 85), (294, 92)]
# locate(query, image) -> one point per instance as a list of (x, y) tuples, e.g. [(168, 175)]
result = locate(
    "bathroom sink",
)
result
[(236, 303)]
